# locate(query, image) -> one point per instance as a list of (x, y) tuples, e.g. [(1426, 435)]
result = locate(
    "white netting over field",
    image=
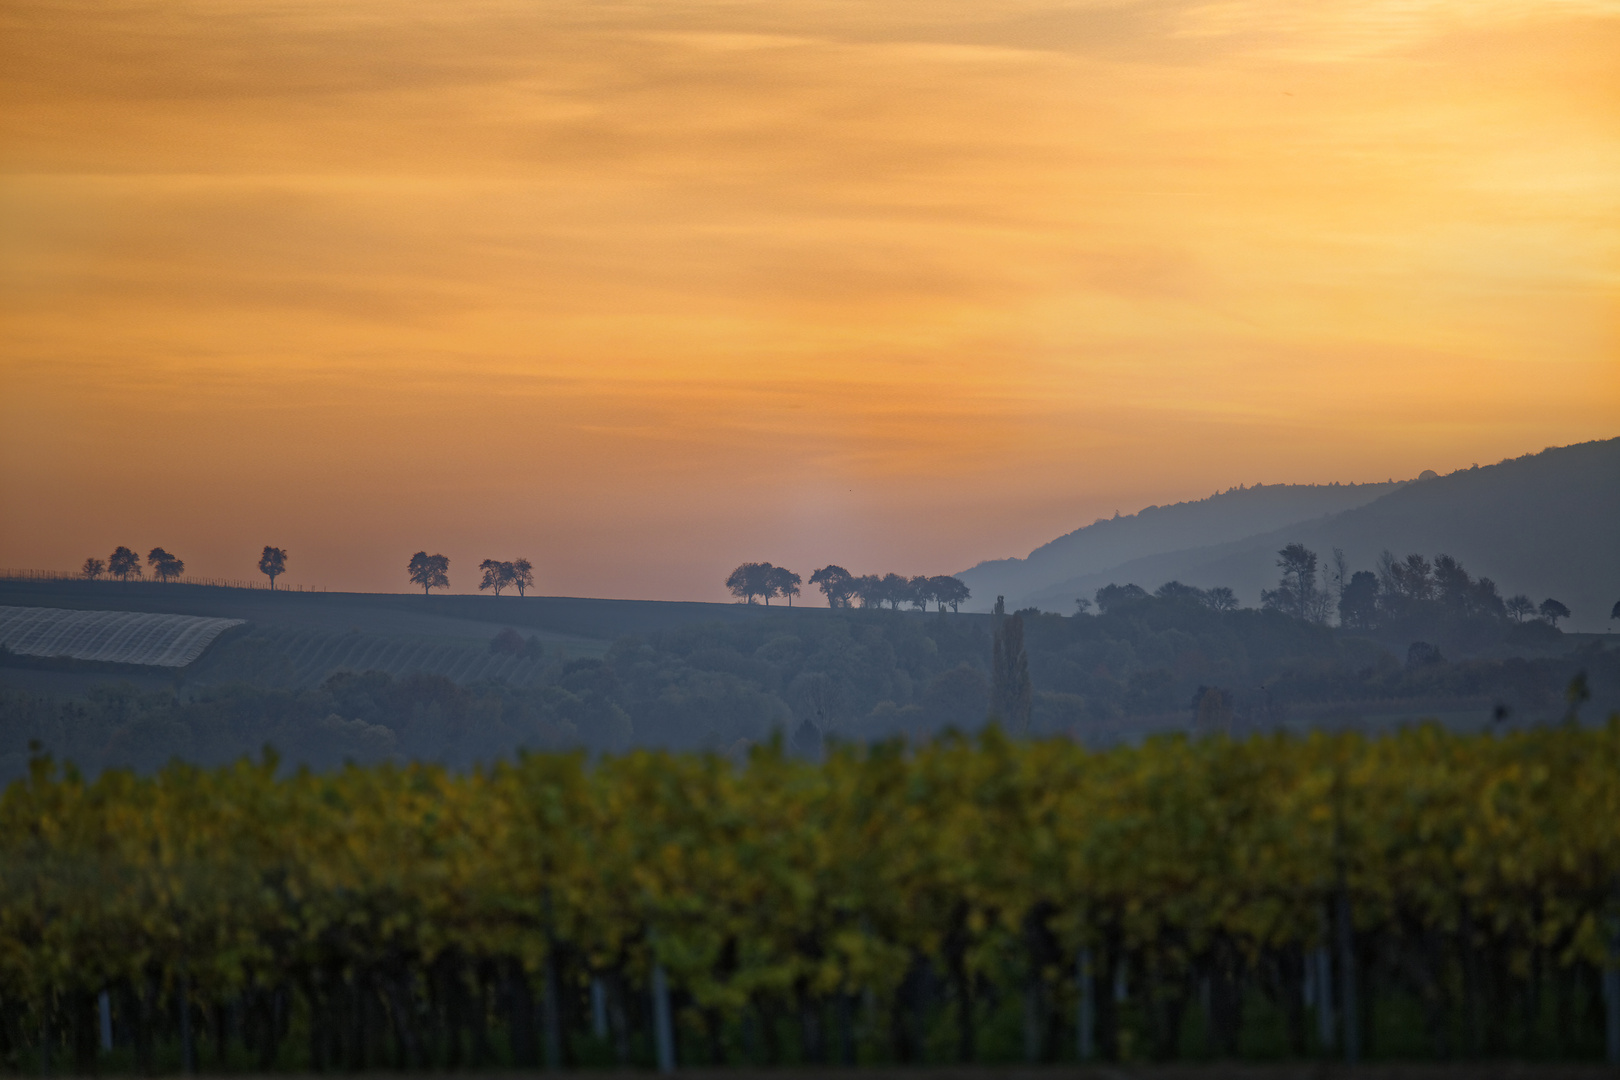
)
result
[(123, 637)]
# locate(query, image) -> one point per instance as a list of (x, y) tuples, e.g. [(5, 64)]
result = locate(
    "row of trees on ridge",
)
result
[(1365, 600), (431, 572), (1398, 589), (427, 571), (843, 589), (517, 574), (124, 564), (763, 580)]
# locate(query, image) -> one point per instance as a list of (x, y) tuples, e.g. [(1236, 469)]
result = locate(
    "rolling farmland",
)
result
[(296, 640), (118, 637), (298, 657), (293, 657)]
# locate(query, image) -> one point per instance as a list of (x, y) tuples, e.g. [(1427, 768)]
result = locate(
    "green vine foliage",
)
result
[(413, 915)]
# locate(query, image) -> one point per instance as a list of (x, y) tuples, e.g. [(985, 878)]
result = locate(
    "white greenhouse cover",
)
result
[(124, 637)]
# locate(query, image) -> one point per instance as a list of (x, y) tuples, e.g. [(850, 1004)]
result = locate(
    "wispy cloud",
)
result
[(956, 274)]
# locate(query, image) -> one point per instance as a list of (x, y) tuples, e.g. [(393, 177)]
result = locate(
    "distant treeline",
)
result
[(425, 571), (124, 564), (842, 589), (1400, 591), (1410, 595)]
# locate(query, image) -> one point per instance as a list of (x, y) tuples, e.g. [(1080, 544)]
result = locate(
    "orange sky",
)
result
[(642, 290)]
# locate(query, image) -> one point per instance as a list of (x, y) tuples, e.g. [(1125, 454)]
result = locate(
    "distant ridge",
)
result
[(1233, 514), (1545, 524)]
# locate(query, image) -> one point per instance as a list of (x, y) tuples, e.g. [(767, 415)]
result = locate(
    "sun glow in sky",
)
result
[(642, 290)]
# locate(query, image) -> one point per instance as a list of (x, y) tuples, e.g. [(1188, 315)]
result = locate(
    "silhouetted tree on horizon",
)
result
[(749, 580), (896, 590), (429, 571), (841, 588), (781, 581), (123, 563), (835, 583), (497, 575), (739, 583), (1552, 611), (951, 590), (165, 567), (92, 569), (869, 588), (522, 576), (765, 580), (272, 564)]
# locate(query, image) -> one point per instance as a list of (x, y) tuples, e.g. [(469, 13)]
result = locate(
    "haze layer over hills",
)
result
[(1234, 514), (1545, 524)]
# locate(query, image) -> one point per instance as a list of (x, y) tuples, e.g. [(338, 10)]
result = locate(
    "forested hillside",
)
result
[(1546, 524), (1233, 514)]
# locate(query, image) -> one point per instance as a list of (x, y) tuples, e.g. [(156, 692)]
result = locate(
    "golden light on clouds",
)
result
[(643, 290)]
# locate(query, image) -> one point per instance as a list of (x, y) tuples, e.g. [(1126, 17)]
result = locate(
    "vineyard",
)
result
[(119, 637), (295, 656), (1425, 894)]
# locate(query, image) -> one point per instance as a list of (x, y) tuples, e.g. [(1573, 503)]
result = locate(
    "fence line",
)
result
[(13, 574)]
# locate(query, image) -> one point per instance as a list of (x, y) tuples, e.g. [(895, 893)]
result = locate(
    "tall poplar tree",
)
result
[(1012, 697)]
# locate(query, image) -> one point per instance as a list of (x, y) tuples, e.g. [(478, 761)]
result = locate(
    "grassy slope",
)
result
[(319, 632), (469, 617)]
